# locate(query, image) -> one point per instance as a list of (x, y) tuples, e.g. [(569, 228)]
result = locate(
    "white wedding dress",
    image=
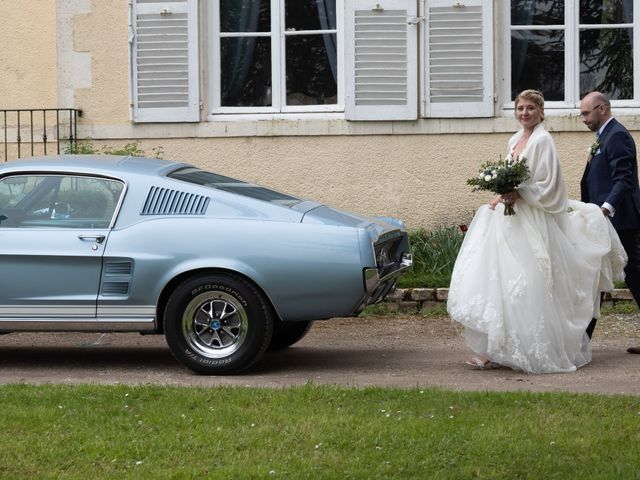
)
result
[(526, 286)]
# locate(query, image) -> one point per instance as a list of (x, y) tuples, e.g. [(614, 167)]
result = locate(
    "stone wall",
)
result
[(411, 300)]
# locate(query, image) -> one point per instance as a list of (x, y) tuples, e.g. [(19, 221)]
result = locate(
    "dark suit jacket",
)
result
[(612, 176)]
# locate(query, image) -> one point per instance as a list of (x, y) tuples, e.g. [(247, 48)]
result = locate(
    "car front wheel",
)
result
[(217, 324)]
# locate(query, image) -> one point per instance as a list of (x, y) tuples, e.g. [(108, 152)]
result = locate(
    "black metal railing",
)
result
[(38, 131)]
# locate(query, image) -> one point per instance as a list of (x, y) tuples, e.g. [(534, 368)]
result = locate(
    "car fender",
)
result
[(297, 266)]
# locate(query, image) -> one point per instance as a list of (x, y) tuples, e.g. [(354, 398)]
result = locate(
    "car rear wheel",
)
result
[(217, 324), (286, 334)]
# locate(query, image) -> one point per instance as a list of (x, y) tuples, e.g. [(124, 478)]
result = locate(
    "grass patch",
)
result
[(313, 432), (619, 307), (376, 310), (438, 309), (413, 279)]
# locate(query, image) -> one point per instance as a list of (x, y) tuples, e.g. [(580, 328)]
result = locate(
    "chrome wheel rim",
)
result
[(215, 324)]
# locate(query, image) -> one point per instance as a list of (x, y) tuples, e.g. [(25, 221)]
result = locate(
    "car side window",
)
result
[(60, 201)]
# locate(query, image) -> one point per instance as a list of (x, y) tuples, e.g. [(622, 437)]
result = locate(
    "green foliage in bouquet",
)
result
[(501, 177)]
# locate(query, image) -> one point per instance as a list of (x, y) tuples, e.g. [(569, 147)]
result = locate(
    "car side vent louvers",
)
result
[(116, 277), (164, 201), (117, 268), (115, 288)]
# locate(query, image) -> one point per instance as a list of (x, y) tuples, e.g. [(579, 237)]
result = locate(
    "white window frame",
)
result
[(571, 55), (278, 63)]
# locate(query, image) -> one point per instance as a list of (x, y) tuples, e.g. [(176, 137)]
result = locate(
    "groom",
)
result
[(610, 180)]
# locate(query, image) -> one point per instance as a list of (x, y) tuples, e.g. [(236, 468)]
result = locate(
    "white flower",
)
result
[(487, 178)]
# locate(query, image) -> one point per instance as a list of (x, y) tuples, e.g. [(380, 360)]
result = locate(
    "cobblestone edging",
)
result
[(417, 299)]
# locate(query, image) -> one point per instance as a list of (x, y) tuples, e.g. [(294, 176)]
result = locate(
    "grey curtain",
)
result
[(241, 50), (327, 15)]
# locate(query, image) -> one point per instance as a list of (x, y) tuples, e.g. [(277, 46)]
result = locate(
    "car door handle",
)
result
[(97, 238)]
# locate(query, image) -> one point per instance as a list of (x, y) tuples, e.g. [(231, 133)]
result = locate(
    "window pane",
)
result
[(606, 11), (537, 12), (311, 69), (220, 182), (245, 64), (59, 201), (606, 62), (90, 202), (310, 14), (201, 177), (14, 189), (537, 61), (245, 16)]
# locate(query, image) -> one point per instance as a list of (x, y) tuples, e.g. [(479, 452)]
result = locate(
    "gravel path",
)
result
[(396, 351)]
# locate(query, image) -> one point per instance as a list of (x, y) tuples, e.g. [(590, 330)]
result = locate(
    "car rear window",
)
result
[(228, 184)]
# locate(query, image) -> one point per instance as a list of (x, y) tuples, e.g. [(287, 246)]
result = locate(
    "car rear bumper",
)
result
[(379, 282)]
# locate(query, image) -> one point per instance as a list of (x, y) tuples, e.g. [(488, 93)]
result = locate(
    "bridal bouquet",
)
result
[(501, 177)]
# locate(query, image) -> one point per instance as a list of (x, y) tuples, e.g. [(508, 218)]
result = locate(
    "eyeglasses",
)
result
[(584, 114)]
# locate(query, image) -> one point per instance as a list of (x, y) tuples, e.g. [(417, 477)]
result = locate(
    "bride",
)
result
[(526, 286)]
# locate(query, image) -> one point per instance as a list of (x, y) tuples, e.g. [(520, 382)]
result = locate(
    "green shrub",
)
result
[(434, 254), (86, 147)]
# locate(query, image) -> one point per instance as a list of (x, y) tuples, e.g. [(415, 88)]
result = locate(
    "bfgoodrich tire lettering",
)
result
[(217, 324)]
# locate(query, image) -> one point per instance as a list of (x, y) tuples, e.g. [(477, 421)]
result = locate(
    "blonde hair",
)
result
[(534, 96)]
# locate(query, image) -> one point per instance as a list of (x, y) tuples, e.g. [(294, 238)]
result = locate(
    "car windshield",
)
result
[(228, 184)]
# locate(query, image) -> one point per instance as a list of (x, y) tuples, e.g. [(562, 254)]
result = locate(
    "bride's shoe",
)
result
[(479, 364)]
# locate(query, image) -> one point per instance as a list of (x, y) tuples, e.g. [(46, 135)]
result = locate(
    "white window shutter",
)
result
[(459, 58), (381, 66), (164, 61)]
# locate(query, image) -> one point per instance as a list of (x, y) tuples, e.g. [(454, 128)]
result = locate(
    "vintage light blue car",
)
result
[(223, 268)]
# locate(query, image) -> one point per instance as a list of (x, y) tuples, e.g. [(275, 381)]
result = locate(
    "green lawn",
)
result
[(313, 432)]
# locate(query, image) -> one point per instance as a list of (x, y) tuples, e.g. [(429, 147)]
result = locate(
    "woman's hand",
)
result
[(494, 202), (507, 198), (510, 198)]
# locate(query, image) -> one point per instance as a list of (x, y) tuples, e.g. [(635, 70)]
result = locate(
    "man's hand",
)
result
[(605, 211)]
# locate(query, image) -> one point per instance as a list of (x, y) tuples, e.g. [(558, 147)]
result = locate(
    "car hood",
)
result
[(314, 212)]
